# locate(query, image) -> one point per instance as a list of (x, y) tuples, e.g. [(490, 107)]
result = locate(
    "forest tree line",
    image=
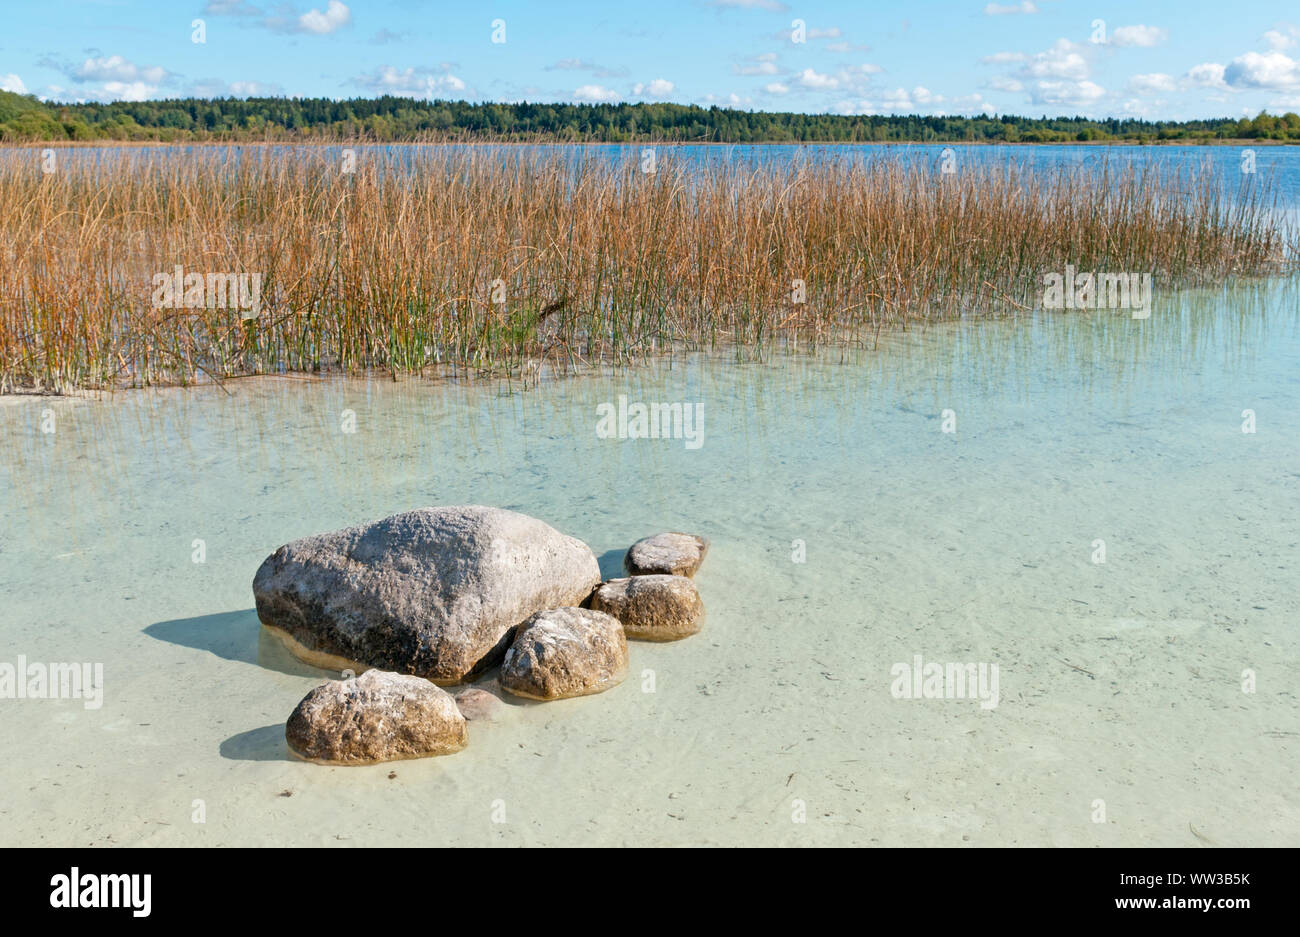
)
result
[(26, 118)]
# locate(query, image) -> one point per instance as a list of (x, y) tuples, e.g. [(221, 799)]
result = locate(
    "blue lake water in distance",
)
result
[(851, 534), (1275, 166)]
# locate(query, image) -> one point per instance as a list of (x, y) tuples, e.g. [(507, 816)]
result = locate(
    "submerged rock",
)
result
[(653, 607), (478, 705), (434, 592), (673, 554), (565, 652), (375, 717)]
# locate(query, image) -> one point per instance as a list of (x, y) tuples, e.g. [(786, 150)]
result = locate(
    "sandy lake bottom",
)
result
[(1149, 699)]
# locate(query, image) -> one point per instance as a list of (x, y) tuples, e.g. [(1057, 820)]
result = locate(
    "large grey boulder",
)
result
[(375, 717), (671, 554), (653, 607), (565, 652), (435, 592)]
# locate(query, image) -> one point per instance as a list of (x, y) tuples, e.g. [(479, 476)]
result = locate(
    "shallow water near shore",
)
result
[(850, 533)]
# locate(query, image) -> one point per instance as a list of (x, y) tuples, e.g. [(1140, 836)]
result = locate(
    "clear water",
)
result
[(1120, 683), (1274, 167)]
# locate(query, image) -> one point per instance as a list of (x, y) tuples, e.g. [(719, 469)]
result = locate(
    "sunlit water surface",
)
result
[(1122, 716)]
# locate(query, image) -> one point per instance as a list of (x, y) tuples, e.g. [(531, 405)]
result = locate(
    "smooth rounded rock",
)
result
[(672, 554), (378, 716), (435, 592), (653, 607), (565, 652)]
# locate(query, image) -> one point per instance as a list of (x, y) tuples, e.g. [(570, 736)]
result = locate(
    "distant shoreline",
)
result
[(107, 143), (25, 118)]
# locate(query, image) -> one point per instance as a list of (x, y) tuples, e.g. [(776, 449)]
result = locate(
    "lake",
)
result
[(1278, 166), (1103, 509)]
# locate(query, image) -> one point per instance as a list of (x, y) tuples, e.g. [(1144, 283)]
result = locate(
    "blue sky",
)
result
[(1158, 59)]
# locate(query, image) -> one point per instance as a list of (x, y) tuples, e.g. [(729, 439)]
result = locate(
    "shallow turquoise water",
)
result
[(1121, 683)]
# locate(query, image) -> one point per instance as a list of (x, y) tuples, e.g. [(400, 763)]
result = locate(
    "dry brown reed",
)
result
[(392, 266)]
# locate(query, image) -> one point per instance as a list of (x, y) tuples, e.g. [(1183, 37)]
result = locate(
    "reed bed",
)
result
[(509, 260)]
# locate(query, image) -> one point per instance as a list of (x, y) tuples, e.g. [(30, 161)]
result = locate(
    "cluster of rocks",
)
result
[(437, 597)]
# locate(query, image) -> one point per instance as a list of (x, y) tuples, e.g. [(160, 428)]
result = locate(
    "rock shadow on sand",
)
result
[(264, 744), (237, 636)]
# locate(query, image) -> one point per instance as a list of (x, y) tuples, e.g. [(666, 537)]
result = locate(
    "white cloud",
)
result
[(282, 18), (1281, 38), (12, 82), (919, 100), (595, 94), (1144, 36), (811, 79), (998, 9), (731, 100), (231, 8), (999, 58), (901, 99), (1063, 60), (969, 104), (582, 65), (251, 89), (129, 90), (854, 79), (1208, 75), (776, 88), (1006, 84), (217, 88), (761, 65), (115, 68), (855, 107), (1076, 94), (658, 88), (64, 95), (412, 82), (336, 16), (1136, 107), (1273, 71), (1153, 83)]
